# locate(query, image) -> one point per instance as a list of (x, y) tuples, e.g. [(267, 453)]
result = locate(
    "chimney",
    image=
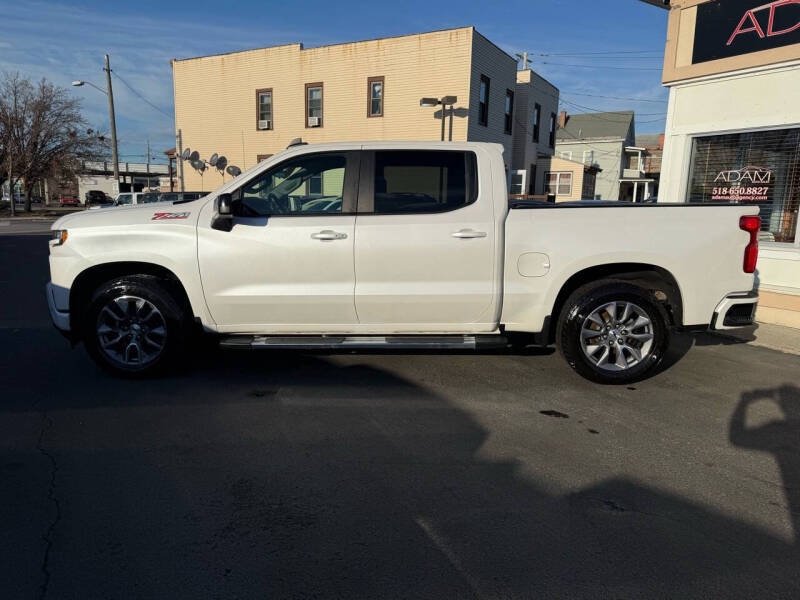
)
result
[(562, 119), (661, 141)]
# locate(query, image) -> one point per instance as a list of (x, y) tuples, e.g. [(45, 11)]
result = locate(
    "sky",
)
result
[(587, 48)]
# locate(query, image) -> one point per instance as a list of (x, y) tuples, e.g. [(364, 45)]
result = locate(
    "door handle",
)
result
[(327, 235), (468, 233)]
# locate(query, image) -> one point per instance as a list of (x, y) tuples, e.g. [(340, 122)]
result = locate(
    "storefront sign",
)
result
[(750, 184), (726, 28)]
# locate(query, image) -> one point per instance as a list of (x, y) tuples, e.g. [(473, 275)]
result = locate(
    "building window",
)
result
[(313, 105), (537, 117), (552, 130), (375, 97), (425, 181), (566, 154), (588, 157), (757, 167), (264, 109), (509, 111), (532, 182), (633, 162), (559, 184), (483, 101), (517, 184)]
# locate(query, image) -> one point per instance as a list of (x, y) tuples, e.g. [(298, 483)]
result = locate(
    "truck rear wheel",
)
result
[(134, 326), (613, 332)]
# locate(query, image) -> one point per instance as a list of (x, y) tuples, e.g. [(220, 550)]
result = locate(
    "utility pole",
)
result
[(179, 152), (114, 155)]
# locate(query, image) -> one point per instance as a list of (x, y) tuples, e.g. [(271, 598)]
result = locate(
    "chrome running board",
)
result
[(363, 342)]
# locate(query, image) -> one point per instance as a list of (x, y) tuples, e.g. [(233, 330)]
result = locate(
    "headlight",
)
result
[(59, 236)]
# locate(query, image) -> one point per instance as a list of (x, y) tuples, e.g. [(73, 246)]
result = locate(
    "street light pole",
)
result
[(444, 102), (110, 94), (451, 122)]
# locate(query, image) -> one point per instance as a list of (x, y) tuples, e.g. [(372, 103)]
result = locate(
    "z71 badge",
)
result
[(163, 216)]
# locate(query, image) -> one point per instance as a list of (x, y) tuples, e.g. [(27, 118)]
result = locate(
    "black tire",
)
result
[(582, 303), (157, 292)]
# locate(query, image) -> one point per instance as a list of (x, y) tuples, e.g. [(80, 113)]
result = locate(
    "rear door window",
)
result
[(413, 181)]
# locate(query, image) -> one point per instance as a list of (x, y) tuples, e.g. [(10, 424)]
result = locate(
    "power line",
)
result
[(596, 53), (600, 66), (616, 97), (593, 109), (656, 57), (161, 110)]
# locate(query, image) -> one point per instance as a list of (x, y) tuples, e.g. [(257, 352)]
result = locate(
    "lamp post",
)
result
[(110, 95), (444, 101)]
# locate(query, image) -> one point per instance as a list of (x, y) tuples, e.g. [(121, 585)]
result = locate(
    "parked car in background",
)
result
[(97, 198), (149, 197), (19, 198), (423, 250), (68, 201), (181, 196), (128, 198)]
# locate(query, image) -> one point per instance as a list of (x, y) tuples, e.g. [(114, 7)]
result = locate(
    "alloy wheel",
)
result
[(131, 331), (617, 336)]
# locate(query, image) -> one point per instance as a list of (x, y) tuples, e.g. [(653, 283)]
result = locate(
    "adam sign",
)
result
[(728, 28), (749, 184)]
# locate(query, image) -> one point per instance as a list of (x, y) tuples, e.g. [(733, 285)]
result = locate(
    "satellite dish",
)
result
[(185, 154), (213, 160), (222, 162), (199, 165), (233, 170), (194, 156)]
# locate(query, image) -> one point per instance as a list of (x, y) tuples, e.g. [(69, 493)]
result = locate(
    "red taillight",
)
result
[(751, 225)]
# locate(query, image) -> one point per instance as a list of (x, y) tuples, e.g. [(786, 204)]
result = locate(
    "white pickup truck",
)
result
[(399, 245)]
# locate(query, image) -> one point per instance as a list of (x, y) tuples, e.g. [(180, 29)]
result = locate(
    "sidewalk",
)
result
[(776, 337), (25, 226)]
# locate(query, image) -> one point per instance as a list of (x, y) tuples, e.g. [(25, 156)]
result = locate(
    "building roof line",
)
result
[(546, 81), (474, 29), (302, 47)]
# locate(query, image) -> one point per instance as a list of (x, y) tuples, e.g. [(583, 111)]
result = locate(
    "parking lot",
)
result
[(431, 475)]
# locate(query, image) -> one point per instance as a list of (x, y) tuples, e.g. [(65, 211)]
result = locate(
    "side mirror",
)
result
[(224, 202), (223, 219)]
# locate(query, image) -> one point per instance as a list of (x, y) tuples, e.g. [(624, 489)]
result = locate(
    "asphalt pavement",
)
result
[(433, 475)]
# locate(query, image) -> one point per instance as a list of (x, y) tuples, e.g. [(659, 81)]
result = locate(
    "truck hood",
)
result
[(140, 214)]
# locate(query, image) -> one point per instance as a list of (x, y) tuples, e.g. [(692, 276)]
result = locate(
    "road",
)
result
[(390, 476)]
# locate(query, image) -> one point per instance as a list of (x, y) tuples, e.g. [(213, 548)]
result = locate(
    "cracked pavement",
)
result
[(390, 476)]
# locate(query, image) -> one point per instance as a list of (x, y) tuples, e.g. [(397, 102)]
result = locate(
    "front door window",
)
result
[(305, 185)]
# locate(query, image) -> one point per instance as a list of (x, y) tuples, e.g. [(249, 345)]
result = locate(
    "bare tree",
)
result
[(42, 132)]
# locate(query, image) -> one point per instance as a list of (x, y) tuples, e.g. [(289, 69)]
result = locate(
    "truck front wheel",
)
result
[(613, 332), (133, 326)]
